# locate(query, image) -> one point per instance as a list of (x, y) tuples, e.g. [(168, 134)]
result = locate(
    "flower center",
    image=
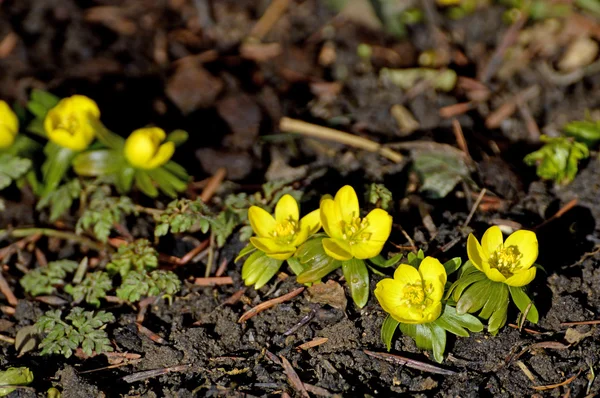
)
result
[(68, 123), (417, 295), (506, 260), (354, 231), (286, 231)]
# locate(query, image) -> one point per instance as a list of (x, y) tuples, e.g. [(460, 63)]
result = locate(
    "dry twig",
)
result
[(268, 304)]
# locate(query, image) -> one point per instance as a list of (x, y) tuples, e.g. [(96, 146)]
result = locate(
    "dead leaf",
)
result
[(192, 87), (331, 293), (112, 17), (26, 339), (573, 336)]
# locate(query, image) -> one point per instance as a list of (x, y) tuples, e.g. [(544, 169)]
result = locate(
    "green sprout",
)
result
[(93, 288), (379, 196), (140, 284), (44, 280), (136, 256), (103, 212), (557, 160), (79, 329)]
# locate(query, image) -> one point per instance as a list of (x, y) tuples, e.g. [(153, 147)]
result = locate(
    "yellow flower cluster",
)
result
[(350, 236)]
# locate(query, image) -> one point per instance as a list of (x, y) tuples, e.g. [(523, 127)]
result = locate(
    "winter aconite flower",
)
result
[(351, 236), (414, 296), (145, 148), (9, 125), (511, 261), (72, 123), (278, 237)]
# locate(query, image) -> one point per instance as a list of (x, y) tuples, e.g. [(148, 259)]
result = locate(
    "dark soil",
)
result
[(171, 64)]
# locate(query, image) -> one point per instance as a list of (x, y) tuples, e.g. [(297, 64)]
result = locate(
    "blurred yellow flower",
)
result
[(511, 261), (278, 237), (414, 296), (71, 123), (349, 235), (9, 125), (145, 148)]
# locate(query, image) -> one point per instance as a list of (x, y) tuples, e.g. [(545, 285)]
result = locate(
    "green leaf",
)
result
[(61, 199), (296, 266), (98, 162), (11, 168), (249, 248), (498, 319), (379, 195), (438, 340), (124, 179), (43, 280), (440, 171), (14, 377), (522, 300), (259, 268), (143, 181), (41, 102), (466, 279), (557, 160), (57, 163), (421, 334), (357, 278), (584, 131), (93, 288), (497, 298), (178, 137), (456, 323), (168, 183), (452, 265), (103, 212), (474, 298), (387, 331), (380, 261), (139, 256), (317, 263)]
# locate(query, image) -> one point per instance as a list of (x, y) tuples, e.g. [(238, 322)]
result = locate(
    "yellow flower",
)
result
[(414, 296), (71, 123), (9, 125), (279, 236), (511, 261), (349, 235), (144, 149)]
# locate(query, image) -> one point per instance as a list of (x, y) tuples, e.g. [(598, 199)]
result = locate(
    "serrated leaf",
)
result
[(12, 168), (387, 331), (558, 159), (61, 199)]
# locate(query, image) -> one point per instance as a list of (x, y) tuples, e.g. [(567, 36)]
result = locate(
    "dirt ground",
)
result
[(191, 65)]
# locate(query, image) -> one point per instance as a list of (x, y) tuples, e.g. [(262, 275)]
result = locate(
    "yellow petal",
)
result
[(164, 154), (379, 225), (6, 137), (329, 219), (492, 238), (474, 252), (407, 274), (83, 104), (432, 312), (347, 203), (366, 249), (287, 209), (9, 123), (263, 224), (527, 243), (309, 225), (272, 248), (337, 248), (67, 140), (433, 271), (493, 274), (389, 294), (522, 278)]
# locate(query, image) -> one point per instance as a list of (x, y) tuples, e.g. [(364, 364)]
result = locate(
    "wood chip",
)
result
[(313, 343), (268, 304), (293, 378)]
